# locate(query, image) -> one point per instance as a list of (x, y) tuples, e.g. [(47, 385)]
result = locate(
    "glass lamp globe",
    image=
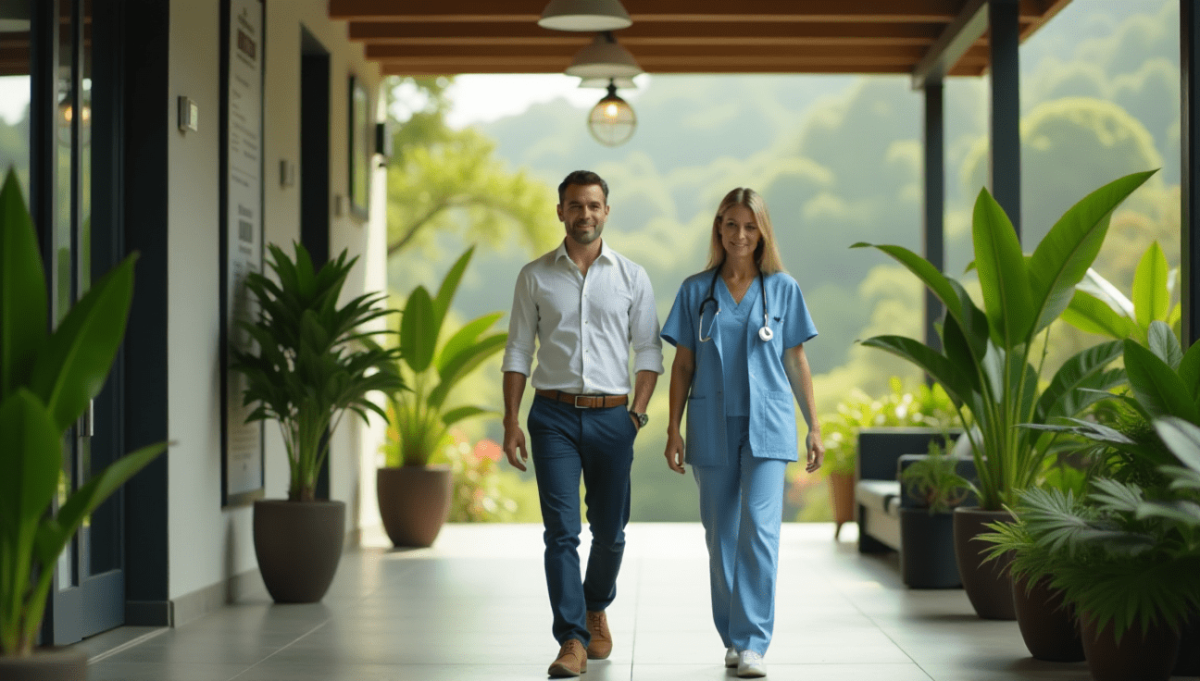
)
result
[(612, 120)]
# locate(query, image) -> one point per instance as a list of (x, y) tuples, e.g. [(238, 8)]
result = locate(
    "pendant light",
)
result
[(602, 83), (585, 15), (604, 58), (612, 120)]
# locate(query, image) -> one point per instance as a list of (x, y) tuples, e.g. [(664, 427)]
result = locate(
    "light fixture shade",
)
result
[(612, 121), (602, 83), (604, 58), (585, 15)]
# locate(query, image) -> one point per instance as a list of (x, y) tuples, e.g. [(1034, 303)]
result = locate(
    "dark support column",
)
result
[(935, 202), (1005, 169), (1189, 226)]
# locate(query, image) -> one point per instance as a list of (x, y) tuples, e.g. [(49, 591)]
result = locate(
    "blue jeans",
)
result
[(597, 443), (741, 507)]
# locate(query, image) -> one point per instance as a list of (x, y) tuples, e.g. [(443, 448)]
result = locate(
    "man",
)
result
[(585, 304)]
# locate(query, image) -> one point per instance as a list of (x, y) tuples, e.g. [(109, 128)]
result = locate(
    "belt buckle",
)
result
[(577, 401)]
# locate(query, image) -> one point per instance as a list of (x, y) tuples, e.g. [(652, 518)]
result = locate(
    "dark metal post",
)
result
[(1005, 169), (1189, 225), (935, 202)]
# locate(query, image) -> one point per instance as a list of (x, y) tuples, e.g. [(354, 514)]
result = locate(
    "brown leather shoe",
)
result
[(572, 660), (601, 645)]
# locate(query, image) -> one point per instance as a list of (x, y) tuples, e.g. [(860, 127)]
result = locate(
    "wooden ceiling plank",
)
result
[(528, 11), (909, 53), (782, 33)]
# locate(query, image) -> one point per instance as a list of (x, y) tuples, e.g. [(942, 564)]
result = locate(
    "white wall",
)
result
[(207, 544)]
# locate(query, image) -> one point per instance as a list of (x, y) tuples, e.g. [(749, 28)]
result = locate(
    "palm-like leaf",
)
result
[(314, 361)]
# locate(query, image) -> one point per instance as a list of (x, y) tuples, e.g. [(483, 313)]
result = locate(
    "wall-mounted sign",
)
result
[(241, 235)]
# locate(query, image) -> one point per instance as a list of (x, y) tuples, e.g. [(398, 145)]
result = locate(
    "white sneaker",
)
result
[(731, 657), (750, 664)]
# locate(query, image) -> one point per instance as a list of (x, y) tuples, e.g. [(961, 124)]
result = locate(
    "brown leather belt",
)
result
[(585, 401)]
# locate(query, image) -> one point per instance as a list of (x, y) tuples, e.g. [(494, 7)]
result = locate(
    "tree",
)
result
[(442, 179)]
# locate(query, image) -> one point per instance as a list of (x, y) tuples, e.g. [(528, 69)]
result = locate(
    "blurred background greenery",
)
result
[(838, 160)]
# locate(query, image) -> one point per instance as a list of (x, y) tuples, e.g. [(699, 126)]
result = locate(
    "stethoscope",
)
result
[(765, 333)]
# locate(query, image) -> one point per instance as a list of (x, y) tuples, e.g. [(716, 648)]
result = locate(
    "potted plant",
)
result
[(1127, 562), (927, 406), (414, 495), (986, 359), (46, 382), (1165, 382), (934, 487), (313, 364)]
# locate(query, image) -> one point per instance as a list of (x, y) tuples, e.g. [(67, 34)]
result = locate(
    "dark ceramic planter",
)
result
[(52, 664), (1049, 628), (299, 545), (1139, 656), (1188, 662), (927, 550), (414, 503), (988, 585)]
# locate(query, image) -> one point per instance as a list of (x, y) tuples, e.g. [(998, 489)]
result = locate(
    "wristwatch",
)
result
[(642, 419)]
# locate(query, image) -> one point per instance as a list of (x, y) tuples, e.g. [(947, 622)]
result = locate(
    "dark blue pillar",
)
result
[(1005, 168), (1189, 226), (935, 202)]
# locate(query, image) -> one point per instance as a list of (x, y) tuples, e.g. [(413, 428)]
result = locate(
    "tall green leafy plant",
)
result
[(419, 417), (46, 382), (314, 362), (985, 362)]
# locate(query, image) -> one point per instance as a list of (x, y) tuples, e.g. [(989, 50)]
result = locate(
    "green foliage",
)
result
[(46, 382), (314, 360), (442, 179), (984, 363), (934, 482), (419, 416), (1119, 555), (1104, 310), (478, 494), (926, 407)]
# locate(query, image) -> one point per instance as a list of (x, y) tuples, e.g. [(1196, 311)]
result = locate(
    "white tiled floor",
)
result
[(474, 608)]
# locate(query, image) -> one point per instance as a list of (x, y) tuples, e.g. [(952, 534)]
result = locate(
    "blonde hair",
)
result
[(766, 256)]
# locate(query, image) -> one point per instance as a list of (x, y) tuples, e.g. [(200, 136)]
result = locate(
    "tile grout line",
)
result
[(100, 657), (289, 645)]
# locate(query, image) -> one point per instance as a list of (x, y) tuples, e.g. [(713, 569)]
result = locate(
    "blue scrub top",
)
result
[(731, 324), (771, 404)]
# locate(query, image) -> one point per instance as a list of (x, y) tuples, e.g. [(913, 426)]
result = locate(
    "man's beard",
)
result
[(585, 238)]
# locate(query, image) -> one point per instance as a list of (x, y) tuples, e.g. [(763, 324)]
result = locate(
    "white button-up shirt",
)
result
[(584, 326)]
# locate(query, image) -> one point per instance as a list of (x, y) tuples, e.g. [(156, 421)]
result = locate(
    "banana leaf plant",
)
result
[(985, 359), (1099, 307), (46, 382), (1121, 554), (419, 418), (314, 361)]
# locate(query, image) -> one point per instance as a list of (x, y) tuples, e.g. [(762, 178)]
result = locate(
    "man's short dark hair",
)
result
[(582, 178)]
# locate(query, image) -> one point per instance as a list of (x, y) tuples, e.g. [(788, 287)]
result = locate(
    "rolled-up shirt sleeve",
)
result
[(643, 326), (522, 327)]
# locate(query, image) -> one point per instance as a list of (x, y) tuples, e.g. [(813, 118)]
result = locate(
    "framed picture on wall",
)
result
[(361, 139)]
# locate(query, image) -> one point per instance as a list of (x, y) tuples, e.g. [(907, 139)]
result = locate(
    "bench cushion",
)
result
[(879, 495)]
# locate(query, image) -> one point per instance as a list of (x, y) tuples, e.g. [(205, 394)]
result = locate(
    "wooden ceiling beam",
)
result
[(529, 11), (393, 32), (900, 53)]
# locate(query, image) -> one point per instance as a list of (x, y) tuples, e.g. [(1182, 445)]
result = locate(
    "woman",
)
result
[(739, 329)]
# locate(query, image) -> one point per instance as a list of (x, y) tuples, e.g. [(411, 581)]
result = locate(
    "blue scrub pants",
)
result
[(598, 443), (741, 507)]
